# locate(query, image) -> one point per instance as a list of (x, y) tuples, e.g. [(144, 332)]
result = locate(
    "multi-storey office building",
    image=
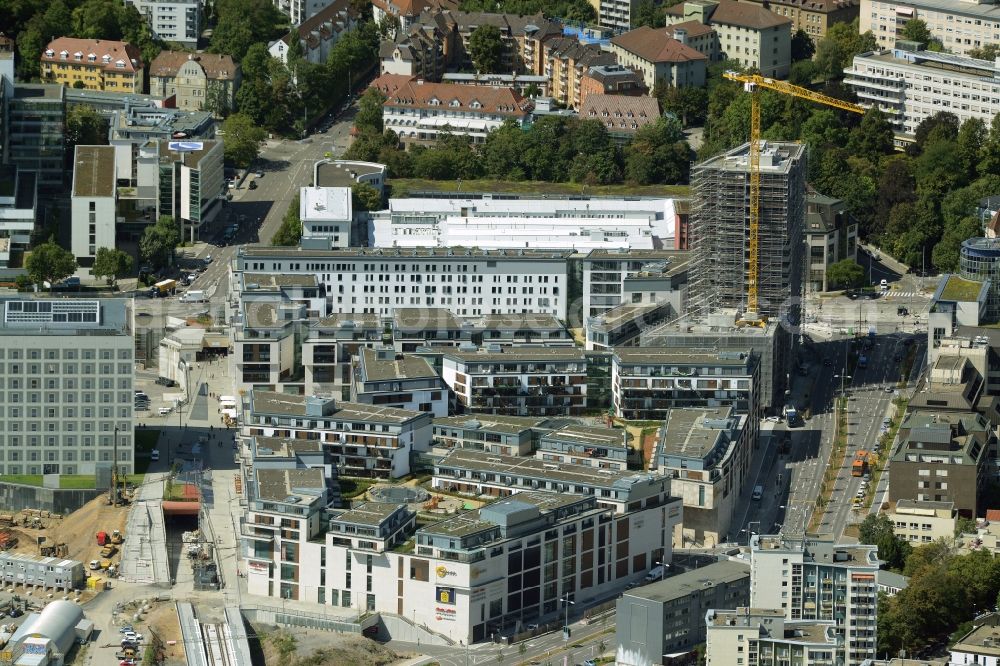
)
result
[(720, 229), (18, 209), (706, 454), (507, 435), (172, 20), (634, 277), (403, 381), (818, 580), (68, 373), (943, 457), (919, 522), (603, 448), (668, 617), (518, 381), (764, 636), (911, 85), (191, 183), (327, 214), (648, 382), (960, 26), (468, 282), (265, 337), (96, 64), (36, 135), (480, 473), (362, 440), (93, 202), (413, 328), (467, 577), (831, 234)]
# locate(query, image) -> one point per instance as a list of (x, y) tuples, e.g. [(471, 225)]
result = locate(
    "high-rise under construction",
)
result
[(720, 231)]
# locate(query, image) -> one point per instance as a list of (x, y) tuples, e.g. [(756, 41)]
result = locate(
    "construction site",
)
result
[(720, 231)]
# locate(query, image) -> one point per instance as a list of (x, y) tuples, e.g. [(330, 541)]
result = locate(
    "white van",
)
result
[(758, 492), (165, 410), (884, 284), (194, 296), (656, 573)]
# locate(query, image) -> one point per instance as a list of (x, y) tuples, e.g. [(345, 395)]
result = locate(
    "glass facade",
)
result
[(980, 260)]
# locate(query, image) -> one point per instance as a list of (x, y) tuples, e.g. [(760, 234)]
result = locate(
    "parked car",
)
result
[(154, 455), (252, 185), (164, 381)]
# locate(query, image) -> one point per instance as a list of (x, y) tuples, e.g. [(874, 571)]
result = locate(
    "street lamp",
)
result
[(566, 602), (663, 572)]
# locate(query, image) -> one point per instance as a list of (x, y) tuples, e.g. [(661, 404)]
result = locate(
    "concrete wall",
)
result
[(14, 497)]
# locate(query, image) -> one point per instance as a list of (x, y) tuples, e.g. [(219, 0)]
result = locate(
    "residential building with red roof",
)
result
[(96, 64), (621, 115), (319, 33), (814, 17), (611, 80), (419, 112), (566, 61), (746, 33), (660, 58), (198, 81)]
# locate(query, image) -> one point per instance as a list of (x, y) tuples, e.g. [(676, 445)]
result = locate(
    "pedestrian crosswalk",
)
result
[(906, 294)]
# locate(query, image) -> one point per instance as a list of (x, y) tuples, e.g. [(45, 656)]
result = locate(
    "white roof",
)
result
[(319, 204)]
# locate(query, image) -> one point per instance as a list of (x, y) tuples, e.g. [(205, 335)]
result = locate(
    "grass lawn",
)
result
[(66, 481), (23, 479), (351, 487), (403, 186)]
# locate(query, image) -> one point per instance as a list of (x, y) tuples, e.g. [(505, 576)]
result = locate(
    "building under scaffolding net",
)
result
[(720, 230)]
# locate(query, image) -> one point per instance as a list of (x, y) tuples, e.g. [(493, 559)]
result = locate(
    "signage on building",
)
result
[(445, 613), (446, 595), (257, 566), (185, 146), (443, 572)]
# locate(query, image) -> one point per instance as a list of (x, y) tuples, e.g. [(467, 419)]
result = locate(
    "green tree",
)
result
[(648, 13), (290, 231), (156, 247), (802, 73), (486, 48), (31, 41), (366, 197), (50, 263), (823, 128), (945, 254), (112, 263), (242, 23), (837, 49), (873, 138), (369, 115), (846, 274), (943, 125), (990, 163), (972, 136), (242, 139), (877, 529), (97, 19), (986, 52), (85, 127), (916, 30), (658, 154), (216, 100), (803, 47), (965, 525), (688, 103)]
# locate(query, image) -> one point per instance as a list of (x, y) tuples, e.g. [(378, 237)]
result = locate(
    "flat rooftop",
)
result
[(271, 281), (450, 253), (535, 468), (775, 158), (278, 485), (369, 513), (488, 422), (681, 356), (818, 550), (94, 171), (589, 436), (325, 204), (349, 320), (692, 432), (959, 289), (400, 366), (515, 354), (52, 92), (284, 404), (425, 319), (473, 522), (694, 581), (923, 505), (284, 447), (333, 174), (528, 321), (983, 640), (27, 316), (720, 618)]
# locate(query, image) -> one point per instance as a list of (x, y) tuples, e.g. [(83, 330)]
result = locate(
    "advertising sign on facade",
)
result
[(446, 595)]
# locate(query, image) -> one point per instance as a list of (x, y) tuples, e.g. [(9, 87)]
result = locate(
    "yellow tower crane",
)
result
[(752, 83)]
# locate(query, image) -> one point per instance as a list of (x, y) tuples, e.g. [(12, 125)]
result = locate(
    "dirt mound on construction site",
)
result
[(78, 530), (281, 647)]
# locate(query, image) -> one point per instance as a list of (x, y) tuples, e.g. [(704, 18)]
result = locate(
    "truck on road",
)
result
[(194, 296), (860, 464), (163, 288), (791, 415)]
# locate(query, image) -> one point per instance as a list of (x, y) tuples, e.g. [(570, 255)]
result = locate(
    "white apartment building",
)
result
[(924, 521), (518, 381), (299, 11), (981, 646), (383, 377), (476, 473), (67, 368), (327, 214), (466, 281), (362, 440), (467, 577), (764, 636), (911, 86), (705, 452), (633, 277), (509, 435), (172, 20), (331, 344), (419, 111), (817, 580), (93, 203), (601, 448), (961, 25), (555, 224), (318, 33)]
